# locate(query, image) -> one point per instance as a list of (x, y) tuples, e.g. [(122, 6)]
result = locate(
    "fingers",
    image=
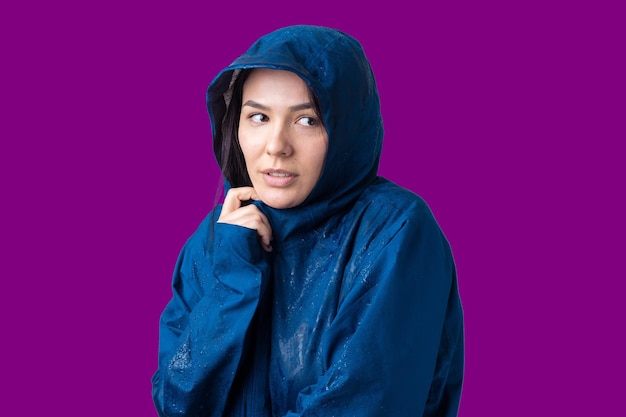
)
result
[(246, 216), (236, 197)]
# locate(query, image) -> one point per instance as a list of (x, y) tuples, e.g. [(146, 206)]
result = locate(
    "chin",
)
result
[(279, 203), (278, 198)]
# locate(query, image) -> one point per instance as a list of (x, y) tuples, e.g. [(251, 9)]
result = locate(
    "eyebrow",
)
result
[(297, 107)]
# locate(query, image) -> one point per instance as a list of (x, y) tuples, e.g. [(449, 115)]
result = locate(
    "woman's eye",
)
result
[(307, 121), (258, 118)]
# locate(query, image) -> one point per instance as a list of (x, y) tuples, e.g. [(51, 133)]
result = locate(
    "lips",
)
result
[(278, 173), (278, 177)]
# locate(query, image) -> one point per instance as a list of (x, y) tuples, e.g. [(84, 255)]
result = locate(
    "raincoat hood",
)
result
[(334, 66)]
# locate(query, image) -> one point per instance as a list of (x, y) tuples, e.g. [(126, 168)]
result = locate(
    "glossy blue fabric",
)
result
[(356, 311)]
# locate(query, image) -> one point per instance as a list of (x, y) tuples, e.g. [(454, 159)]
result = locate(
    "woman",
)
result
[(318, 288)]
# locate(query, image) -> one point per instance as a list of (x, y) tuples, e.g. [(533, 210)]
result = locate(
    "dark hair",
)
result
[(231, 156), (233, 163)]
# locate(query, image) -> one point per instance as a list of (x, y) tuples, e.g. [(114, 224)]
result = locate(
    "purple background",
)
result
[(507, 117)]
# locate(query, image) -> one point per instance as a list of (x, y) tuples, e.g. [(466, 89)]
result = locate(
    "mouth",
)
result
[(278, 177), (278, 173)]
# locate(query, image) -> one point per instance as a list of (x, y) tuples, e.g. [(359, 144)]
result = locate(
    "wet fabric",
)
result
[(355, 312)]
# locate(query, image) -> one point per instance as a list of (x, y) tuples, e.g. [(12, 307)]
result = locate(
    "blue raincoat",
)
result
[(356, 310)]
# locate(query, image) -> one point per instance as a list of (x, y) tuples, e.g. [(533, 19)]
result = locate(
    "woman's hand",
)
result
[(249, 216)]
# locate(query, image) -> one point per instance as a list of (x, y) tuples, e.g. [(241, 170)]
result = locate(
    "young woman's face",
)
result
[(282, 138)]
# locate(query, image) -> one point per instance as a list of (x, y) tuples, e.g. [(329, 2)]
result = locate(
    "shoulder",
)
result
[(388, 215), (395, 235), (388, 203)]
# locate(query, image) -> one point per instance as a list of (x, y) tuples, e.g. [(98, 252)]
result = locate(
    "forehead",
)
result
[(264, 81)]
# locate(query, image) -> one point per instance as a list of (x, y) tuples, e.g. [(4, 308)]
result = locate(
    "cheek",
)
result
[(320, 156), (319, 160), (247, 146)]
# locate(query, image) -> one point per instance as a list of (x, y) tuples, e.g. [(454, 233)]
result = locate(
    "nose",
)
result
[(278, 142)]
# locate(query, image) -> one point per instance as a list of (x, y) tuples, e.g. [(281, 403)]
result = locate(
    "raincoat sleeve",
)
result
[(395, 347), (217, 285)]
